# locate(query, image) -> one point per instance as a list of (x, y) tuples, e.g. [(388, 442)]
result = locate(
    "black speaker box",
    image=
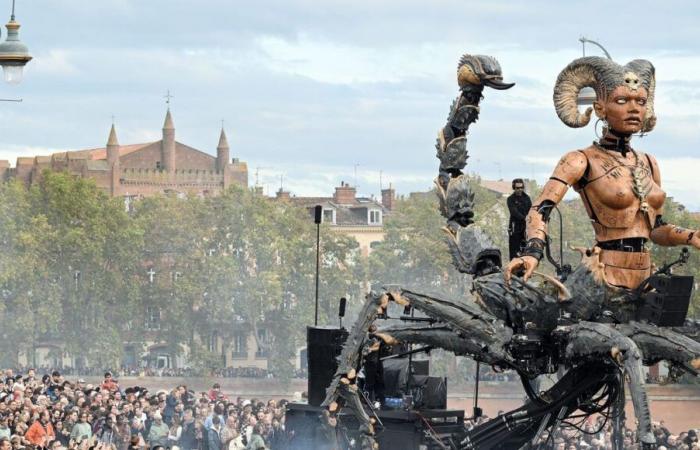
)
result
[(324, 345), (667, 304)]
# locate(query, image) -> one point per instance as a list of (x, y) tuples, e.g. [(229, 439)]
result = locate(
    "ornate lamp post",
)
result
[(587, 96), (14, 55)]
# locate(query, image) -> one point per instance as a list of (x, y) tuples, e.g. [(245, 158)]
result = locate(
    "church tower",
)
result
[(167, 149), (113, 161), (222, 152)]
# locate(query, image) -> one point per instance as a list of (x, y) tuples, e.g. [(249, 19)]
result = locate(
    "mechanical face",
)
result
[(625, 109)]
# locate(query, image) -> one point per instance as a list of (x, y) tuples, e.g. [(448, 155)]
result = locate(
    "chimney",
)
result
[(344, 194), (282, 195), (388, 198)]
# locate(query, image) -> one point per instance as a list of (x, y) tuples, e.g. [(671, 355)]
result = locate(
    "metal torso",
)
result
[(623, 200), (608, 192)]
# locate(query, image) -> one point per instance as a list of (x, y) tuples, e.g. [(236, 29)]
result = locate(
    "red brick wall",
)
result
[(143, 159)]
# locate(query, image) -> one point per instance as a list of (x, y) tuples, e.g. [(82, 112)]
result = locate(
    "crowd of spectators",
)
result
[(597, 434), (228, 372), (51, 412)]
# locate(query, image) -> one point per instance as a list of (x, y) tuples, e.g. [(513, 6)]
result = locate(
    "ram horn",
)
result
[(580, 73)]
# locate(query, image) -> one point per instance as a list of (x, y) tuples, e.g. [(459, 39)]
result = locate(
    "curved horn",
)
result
[(647, 76), (591, 71)]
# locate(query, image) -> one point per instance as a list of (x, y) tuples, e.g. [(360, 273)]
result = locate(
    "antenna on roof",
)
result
[(257, 174)]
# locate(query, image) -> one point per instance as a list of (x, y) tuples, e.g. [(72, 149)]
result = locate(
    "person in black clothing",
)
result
[(188, 437), (519, 205)]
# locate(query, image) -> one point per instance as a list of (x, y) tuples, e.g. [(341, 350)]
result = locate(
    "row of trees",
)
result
[(77, 269)]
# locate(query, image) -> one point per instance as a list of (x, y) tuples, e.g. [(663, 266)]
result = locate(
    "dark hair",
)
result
[(516, 181)]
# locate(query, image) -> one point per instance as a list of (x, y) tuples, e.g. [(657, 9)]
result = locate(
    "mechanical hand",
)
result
[(528, 264)]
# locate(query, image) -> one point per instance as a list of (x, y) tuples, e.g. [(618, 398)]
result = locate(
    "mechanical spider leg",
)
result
[(467, 329), (658, 343), (586, 339), (343, 390), (486, 335), (438, 336)]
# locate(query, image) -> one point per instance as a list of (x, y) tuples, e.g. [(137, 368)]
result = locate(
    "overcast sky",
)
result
[(316, 90)]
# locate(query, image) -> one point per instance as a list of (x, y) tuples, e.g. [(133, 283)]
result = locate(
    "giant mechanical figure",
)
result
[(598, 324)]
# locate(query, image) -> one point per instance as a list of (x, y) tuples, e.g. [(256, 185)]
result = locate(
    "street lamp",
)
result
[(586, 96), (14, 55)]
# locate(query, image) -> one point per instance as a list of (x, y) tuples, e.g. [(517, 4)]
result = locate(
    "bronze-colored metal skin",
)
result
[(620, 187)]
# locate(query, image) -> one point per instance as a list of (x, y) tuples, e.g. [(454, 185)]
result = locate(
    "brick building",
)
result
[(141, 170), (359, 217)]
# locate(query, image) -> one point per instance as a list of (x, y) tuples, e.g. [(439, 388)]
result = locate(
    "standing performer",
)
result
[(519, 205), (620, 187)]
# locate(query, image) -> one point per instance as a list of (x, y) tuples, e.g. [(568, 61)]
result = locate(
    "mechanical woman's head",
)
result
[(625, 94)]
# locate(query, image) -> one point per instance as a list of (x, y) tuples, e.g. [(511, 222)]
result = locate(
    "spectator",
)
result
[(41, 432), (109, 384), (158, 432), (213, 434), (256, 441), (174, 434), (82, 429), (188, 438)]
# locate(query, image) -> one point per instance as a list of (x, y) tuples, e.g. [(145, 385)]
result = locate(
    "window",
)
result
[(152, 318), (375, 217), (263, 338), (159, 166), (329, 216), (240, 345), (213, 341)]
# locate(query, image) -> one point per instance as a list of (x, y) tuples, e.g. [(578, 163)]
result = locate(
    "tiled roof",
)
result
[(101, 152), (499, 186)]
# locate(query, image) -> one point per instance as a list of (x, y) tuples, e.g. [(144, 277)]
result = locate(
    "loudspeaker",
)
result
[(341, 307), (324, 345), (667, 304)]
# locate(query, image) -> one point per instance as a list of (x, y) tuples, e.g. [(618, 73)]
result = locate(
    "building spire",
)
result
[(223, 142), (112, 136), (168, 124)]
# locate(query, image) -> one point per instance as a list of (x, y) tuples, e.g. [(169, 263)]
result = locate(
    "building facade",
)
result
[(359, 217), (141, 170)]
